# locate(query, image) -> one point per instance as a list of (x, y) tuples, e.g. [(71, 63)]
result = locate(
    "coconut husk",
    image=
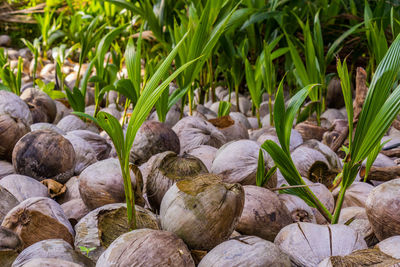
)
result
[(99, 228), (356, 194), (309, 130), (298, 209), (52, 249), (42, 107), (231, 129), (62, 111), (237, 162), (101, 183), (99, 144), (308, 244), (270, 134), (54, 188), (245, 251), (205, 201), (333, 114), (84, 153), (193, 131), (205, 153), (71, 122), (152, 138), (339, 128), (46, 126), (44, 154), (7, 202), (334, 95), (75, 210), (263, 215), (23, 187), (390, 246), (325, 196), (382, 208), (10, 246), (72, 191), (6, 168), (364, 258), (50, 262), (146, 247), (37, 219)]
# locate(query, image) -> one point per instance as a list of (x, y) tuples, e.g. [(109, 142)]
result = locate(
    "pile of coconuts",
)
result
[(62, 199)]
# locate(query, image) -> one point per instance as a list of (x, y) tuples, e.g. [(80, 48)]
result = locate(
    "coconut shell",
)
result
[(365, 257), (75, 210), (212, 206), (245, 251), (37, 219), (72, 122), (356, 194), (233, 130), (205, 153), (99, 228), (6, 168), (193, 131), (72, 191), (52, 249), (15, 119), (62, 111), (44, 154), (50, 262), (390, 246), (46, 126), (10, 246), (146, 247), (23, 187), (84, 153), (173, 116), (240, 117), (7, 202), (101, 183), (152, 138), (270, 134), (383, 209), (263, 214), (308, 244), (298, 209), (332, 114), (42, 107), (99, 144), (325, 196), (237, 162), (166, 169)]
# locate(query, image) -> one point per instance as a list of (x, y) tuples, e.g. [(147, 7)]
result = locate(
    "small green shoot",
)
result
[(224, 108), (86, 250)]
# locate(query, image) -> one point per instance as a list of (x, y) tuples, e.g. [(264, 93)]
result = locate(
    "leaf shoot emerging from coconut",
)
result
[(224, 108), (261, 177)]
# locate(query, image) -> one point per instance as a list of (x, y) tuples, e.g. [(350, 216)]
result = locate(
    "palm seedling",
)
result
[(224, 108), (10, 81), (35, 50)]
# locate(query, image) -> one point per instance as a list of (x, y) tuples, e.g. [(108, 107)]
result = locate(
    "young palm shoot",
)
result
[(35, 50), (254, 84), (10, 81), (224, 108)]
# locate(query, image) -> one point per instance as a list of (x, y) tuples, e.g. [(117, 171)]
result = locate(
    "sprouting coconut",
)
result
[(99, 228), (153, 137), (10, 246), (245, 251), (15, 119), (23, 187), (206, 202), (146, 247), (42, 107), (37, 219), (62, 111), (270, 134), (44, 154), (263, 214), (167, 168)]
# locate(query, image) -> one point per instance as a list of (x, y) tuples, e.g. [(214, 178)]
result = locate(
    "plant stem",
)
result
[(78, 76), (190, 97), (258, 118), (237, 97), (320, 207), (271, 115), (338, 207)]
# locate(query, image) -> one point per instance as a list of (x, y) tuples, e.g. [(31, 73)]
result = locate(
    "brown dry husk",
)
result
[(99, 144), (298, 209), (7, 202), (10, 246), (6, 168), (84, 153), (390, 246), (42, 107), (231, 129), (23, 187)]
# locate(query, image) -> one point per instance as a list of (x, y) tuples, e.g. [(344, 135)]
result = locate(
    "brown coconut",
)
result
[(10, 246), (205, 153), (75, 210), (84, 153), (194, 131), (15, 119), (46, 126), (237, 162), (72, 122), (50, 262), (23, 187), (383, 209), (166, 169), (7, 202), (298, 209), (173, 116), (233, 130), (37, 219), (325, 196), (146, 247), (308, 244), (72, 191), (317, 162), (212, 206), (245, 251), (270, 134), (6, 168), (356, 194), (62, 111), (263, 214), (390, 246), (99, 228), (101, 183), (51, 249), (42, 107), (44, 154), (98, 143), (153, 137)]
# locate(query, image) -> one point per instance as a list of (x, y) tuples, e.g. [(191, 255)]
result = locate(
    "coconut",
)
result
[(23, 187), (7, 202), (205, 153), (75, 210), (72, 191), (193, 131), (237, 162), (6, 168), (325, 196), (233, 130), (263, 214), (213, 206), (166, 169), (112, 111), (332, 114), (15, 119), (42, 107), (173, 116), (84, 153), (152, 138), (240, 117), (270, 134), (5, 40), (208, 113), (72, 122), (383, 209), (50, 262), (98, 143), (253, 121), (46, 126), (101, 183), (334, 97), (115, 97), (365, 257), (37, 219), (51, 249), (298, 209), (308, 244), (245, 251), (356, 194), (317, 162), (10, 246), (146, 247), (44, 154), (390, 246), (99, 228), (62, 111)]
